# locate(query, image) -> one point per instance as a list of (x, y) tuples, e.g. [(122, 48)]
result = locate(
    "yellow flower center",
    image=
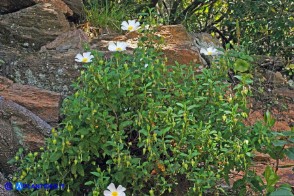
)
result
[(115, 193), (130, 28), (85, 60), (209, 53), (118, 49)]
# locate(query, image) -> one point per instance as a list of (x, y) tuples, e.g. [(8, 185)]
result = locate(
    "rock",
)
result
[(175, 35), (32, 27), (50, 70), (205, 40), (43, 103), (77, 7), (3, 190), (70, 40), (8, 6), (291, 84), (271, 63), (279, 79), (59, 5), (19, 127), (284, 92), (261, 157), (178, 44), (55, 71)]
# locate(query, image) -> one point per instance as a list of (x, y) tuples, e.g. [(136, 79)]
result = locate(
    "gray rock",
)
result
[(77, 7), (8, 6), (50, 70), (205, 40), (69, 40), (34, 26)]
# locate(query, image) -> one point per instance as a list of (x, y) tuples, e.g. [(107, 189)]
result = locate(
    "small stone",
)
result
[(291, 84)]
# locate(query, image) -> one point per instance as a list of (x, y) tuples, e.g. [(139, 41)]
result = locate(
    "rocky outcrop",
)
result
[(8, 6), (68, 7), (43, 103), (32, 27), (54, 68), (77, 7), (178, 46), (71, 40), (19, 127), (50, 70)]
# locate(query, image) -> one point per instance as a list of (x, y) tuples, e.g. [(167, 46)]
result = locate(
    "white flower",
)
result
[(147, 27), (85, 58), (112, 191), (119, 46), (131, 25), (209, 51), (146, 65)]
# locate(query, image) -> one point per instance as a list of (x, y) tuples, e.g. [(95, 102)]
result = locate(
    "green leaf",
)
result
[(287, 133), (179, 104), (83, 131), (282, 192), (80, 169), (74, 169), (125, 124), (55, 156), (279, 142), (89, 183), (95, 174), (270, 176), (64, 161), (191, 107), (163, 131), (290, 153), (241, 65), (149, 84)]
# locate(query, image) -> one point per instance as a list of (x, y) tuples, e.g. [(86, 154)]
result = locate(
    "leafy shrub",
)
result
[(151, 127), (264, 27)]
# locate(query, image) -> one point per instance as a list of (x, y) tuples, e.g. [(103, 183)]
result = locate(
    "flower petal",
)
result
[(87, 54), (202, 50), (122, 194), (124, 23), (120, 188), (131, 22), (112, 46), (78, 56), (111, 187), (137, 24), (107, 193), (122, 45)]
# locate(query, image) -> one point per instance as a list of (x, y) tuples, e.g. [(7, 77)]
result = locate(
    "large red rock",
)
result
[(43, 103), (178, 44), (19, 127)]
